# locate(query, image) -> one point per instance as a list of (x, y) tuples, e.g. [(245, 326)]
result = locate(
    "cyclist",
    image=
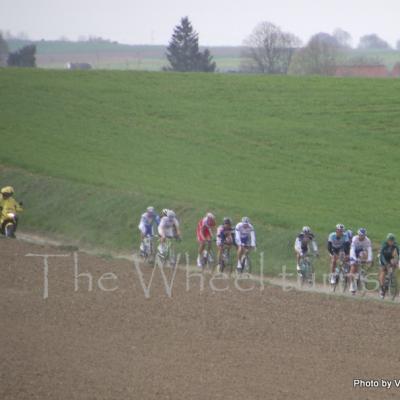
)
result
[(225, 238), (148, 221), (8, 204), (245, 239), (360, 251), (168, 228), (204, 235), (338, 241), (388, 255), (304, 241)]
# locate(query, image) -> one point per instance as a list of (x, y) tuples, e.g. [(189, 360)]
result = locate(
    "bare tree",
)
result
[(343, 38), (319, 57), (373, 41), (269, 50)]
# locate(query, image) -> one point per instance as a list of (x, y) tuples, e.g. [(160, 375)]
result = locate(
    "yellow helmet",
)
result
[(7, 190)]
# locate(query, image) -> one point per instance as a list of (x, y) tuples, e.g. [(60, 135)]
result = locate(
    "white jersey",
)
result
[(168, 227), (245, 235), (358, 246)]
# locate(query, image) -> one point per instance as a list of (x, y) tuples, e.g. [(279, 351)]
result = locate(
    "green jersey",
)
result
[(387, 252)]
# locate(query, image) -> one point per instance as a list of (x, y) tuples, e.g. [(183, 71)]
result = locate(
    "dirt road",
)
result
[(61, 340)]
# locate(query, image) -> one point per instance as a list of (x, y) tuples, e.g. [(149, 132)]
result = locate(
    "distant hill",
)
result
[(105, 54)]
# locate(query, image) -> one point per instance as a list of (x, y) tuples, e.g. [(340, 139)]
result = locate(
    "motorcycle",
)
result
[(9, 223)]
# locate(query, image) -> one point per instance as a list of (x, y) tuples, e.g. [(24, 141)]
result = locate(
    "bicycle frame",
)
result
[(245, 260), (226, 258), (391, 284), (169, 254), (306, 269), (342, 272)]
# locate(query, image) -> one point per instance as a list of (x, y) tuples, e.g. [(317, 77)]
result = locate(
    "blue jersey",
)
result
[(336, 243), (147, 224)]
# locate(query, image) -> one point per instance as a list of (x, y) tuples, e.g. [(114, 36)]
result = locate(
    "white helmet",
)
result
[(245, 220), (210, 216), (150, 210), (164, 212), (362, 232), (171, 214), (306, 229), (340, 227)]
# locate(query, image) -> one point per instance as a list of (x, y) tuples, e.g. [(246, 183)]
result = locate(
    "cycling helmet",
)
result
[(171, 214), (227, 221), (164, 212), (340, 227), (306, 229), (7, 190), (150, 210), (362, 232), (246, 220), (390, 236), (210, 217)]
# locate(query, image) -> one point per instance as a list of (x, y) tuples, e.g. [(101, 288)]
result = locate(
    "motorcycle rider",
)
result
[(8, 205)]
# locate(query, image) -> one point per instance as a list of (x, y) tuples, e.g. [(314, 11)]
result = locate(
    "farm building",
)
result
[(369, 71)]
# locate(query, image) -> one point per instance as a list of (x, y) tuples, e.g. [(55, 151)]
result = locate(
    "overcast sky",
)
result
[(219, 22)]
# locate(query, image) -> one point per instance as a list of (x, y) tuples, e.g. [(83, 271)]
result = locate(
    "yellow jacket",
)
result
[(9, 205)]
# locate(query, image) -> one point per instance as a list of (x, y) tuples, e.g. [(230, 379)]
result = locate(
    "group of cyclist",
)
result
[(342, 245), (227, 235), (354, 250)]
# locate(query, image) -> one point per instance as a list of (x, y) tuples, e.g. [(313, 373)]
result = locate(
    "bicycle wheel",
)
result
[(224, 260)]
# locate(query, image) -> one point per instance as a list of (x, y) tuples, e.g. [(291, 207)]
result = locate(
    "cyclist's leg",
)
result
[(383, 270), (240, 252), (142, 236), (220, 249), (353, 275), (334, 259), (202, 246), (298, 258)]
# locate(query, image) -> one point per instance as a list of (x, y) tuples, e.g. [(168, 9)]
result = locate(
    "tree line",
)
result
[(268, 49)]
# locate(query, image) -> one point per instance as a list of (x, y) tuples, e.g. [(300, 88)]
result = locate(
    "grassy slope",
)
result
[(286, 151)]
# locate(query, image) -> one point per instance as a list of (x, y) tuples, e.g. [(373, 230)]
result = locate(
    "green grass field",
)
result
[(88, 151)]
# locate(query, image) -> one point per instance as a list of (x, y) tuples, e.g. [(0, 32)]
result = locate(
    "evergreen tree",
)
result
[(3, 51), (206, 63), (183, 50), (24, 57)]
